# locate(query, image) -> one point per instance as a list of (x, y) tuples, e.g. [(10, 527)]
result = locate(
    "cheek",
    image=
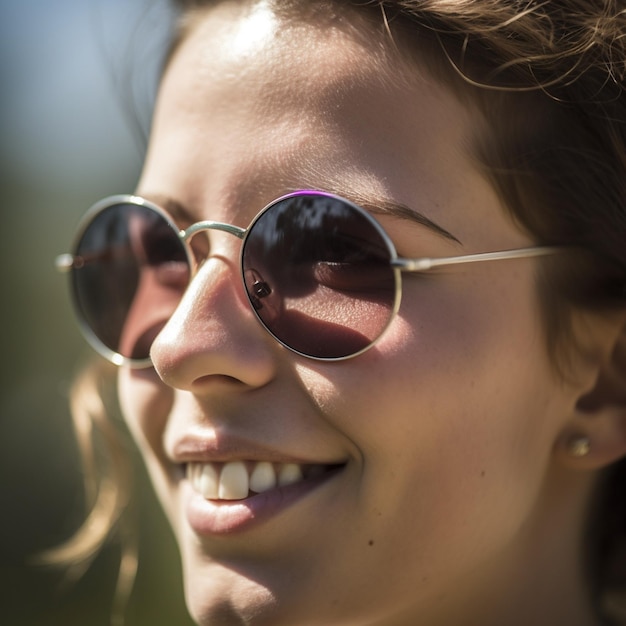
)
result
[(451, 414), (468, 350), (146, 403)]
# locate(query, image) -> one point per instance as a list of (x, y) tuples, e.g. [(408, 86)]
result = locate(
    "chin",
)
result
[(226, 602), (241, 593)]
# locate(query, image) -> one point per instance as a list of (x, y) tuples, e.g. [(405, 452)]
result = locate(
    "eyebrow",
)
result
[(376, 206), (181, 215), (382, 205), (402, 211)]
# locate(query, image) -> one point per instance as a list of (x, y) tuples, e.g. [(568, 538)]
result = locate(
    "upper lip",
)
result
[(211, 447)]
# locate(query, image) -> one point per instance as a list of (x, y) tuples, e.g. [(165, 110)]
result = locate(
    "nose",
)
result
[(213, 337)]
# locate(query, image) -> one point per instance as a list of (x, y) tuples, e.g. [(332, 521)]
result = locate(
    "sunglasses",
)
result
[(320, 273)]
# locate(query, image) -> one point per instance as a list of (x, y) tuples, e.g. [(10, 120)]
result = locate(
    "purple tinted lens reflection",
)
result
[(129, 274), (318, 274)]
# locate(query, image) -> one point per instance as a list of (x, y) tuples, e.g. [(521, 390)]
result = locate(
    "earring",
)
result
[(579, 446)]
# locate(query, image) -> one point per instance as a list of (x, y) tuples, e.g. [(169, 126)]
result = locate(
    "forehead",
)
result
[(255, 104), (245, 65), (315, 56), (251, 25)]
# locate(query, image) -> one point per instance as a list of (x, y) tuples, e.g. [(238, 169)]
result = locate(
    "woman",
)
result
[(325, 452)]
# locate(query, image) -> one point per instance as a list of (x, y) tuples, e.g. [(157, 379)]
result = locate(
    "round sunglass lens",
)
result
[(317, 272), (130, 270)]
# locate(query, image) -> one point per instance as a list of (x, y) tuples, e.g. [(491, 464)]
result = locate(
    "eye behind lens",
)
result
[(327, 266), (134, 271)]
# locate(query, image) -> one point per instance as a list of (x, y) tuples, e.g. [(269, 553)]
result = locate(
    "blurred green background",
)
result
[(77, 79)]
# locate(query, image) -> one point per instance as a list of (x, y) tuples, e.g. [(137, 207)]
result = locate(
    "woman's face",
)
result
[(422, 464)]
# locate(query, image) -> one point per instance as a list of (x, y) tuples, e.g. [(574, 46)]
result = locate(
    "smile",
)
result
[(238, 480)]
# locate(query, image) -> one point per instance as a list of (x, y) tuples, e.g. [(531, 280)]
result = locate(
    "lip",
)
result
[(224, 517), (215, 447), (227, 517)]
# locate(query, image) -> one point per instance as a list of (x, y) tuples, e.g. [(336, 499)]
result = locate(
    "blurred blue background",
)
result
[(77, 80)]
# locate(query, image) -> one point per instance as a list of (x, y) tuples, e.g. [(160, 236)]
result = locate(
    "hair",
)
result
[(107, 485), (546, 78)]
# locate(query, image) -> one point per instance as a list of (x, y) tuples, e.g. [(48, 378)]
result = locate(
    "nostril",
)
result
[(213, 379)]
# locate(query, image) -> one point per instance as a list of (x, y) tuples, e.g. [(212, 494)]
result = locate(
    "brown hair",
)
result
[(107, 483)]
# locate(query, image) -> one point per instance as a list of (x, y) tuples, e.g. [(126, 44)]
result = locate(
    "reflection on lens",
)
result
[(132, 274), (328, 269)]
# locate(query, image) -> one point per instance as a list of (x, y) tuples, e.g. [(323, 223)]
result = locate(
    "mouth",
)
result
[(243, 479)]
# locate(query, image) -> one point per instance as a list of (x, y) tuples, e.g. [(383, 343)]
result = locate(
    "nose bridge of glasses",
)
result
[(194, 229)]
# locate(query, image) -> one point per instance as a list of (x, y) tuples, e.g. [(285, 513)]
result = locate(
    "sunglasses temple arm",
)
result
[(426, 264), (66, 262)]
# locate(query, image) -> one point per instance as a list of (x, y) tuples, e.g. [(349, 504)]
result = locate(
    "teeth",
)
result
[(234, 480), (207, 481), (263, 477), (289, 474)]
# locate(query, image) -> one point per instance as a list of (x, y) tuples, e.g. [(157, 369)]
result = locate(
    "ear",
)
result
[(599, 415)]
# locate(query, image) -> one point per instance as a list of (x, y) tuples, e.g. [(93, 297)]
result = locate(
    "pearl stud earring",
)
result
[(579, 446)]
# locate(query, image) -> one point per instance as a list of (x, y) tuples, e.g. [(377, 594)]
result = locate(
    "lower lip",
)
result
[(224, 517)]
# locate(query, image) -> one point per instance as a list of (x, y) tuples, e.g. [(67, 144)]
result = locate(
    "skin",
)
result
[(454, 505)]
